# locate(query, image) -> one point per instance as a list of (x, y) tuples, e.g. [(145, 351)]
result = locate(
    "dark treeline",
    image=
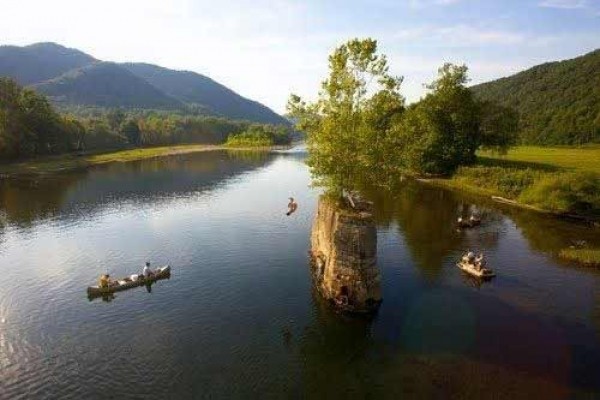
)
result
[(30, 126)]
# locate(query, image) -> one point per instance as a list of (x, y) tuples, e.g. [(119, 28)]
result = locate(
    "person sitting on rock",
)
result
[(104, 281), (147, 272)]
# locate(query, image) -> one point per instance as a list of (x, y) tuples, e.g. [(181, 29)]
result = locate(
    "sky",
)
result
[(267, 49)]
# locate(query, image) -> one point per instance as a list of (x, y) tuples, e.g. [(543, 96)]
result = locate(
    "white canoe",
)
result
[(127, 283), (478, 273)]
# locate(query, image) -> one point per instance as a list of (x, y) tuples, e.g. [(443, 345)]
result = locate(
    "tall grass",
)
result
[(590, 257), (539, 185)]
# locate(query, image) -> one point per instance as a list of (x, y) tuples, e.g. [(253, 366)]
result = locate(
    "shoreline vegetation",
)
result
[(258, 137), (585, 257), (70, 162), (36, 139), (31, 127), (561, 181)]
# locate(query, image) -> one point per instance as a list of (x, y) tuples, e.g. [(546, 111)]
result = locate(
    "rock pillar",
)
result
[(344, 255)]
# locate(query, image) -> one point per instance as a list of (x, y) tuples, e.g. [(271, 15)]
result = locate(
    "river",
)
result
[(239, 317)]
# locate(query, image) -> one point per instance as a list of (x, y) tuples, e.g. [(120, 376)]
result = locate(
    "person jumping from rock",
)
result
[(292, 206)]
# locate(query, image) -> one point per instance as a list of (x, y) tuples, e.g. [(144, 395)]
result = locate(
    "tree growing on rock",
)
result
[(346, 127)]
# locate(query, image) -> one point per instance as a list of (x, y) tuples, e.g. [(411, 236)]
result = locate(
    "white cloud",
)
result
[(565, 4), (427, 3), (460, 35)]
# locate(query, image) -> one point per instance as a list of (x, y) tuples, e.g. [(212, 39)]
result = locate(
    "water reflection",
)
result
[(24, 201), (335, 351), (426, 218), (240, 319)]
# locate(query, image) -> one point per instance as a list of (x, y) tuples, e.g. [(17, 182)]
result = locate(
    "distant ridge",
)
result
[(73, 78), (105, 84), (559, 102), (192, 88), (39, 62)]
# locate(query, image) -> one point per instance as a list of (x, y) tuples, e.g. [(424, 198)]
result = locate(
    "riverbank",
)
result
[(70, 162), (586, 257), (560, 181)]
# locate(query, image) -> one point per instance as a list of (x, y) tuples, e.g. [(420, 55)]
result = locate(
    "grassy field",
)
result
[(585, 158), (54, 164)]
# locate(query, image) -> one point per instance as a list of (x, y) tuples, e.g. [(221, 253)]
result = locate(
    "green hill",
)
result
[(72, 78), (199, 90), (558, 102), (39, 62), (105, 84)]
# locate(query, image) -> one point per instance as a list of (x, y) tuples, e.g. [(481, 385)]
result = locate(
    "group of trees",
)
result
[(360, 124), (29, 126), (261, 136)]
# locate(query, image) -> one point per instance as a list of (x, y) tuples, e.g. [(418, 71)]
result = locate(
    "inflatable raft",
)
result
[(471, 269), (468, 223), (130, 282)]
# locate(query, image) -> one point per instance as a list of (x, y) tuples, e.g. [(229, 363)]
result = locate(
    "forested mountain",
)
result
[(72, 78), (558, 102), (39, 62), (192, 88), (105, 84)]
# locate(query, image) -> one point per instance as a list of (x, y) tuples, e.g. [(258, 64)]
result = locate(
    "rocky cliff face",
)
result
[(344, 255)]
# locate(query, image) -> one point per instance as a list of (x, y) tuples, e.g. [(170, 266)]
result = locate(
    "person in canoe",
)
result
[(147, 271), (292, 207)]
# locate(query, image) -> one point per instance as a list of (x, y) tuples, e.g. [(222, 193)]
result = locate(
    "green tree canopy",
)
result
[(360, 127), (28, 124), (347, 125)]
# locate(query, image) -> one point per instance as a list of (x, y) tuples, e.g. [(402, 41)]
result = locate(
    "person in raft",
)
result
[(480, 262), (147, 271), (292, 206)]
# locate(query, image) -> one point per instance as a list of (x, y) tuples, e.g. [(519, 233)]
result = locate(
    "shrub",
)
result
[(250, 139), (589, 257), (509, 182), (565, 192)]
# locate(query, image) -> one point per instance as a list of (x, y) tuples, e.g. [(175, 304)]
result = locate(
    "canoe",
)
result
[(128, 283), (470, 269), (469, 224)]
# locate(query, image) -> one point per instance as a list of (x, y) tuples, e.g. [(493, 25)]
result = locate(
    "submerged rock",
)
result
[(344, 255)]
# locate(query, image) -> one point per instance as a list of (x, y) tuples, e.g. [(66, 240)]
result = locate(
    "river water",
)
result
[(240, 318)]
